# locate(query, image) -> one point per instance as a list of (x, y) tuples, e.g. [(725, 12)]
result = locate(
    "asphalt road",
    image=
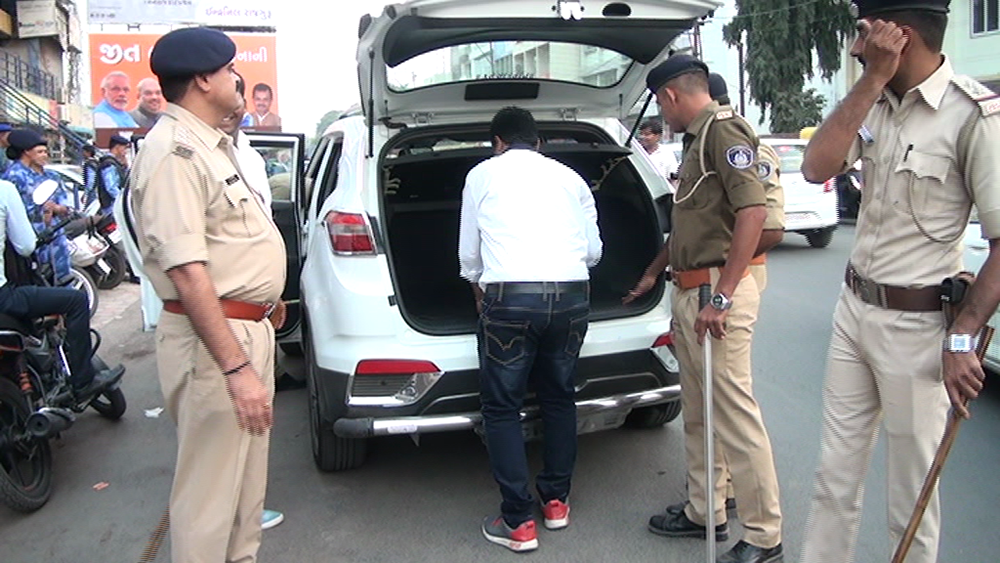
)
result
[(425, 503)]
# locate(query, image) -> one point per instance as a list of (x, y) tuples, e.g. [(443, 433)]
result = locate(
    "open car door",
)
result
[(283, 155)]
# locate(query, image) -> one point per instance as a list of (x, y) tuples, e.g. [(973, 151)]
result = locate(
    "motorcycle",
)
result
[(37, 401)]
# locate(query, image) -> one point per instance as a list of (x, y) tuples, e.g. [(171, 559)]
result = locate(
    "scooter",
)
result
[(37, 401)]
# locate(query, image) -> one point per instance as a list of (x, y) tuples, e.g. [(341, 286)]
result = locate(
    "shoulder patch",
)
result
[(740, 157), (183, 151), (987, 100), (764, 170), (724, 114)]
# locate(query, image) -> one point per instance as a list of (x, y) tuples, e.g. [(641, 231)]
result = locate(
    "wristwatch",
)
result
[(960, 343), (720, 302)]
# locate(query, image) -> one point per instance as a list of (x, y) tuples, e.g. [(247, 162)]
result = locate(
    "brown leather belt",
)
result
[(759, 260), (691, 279), (231, 309), (893, 297)]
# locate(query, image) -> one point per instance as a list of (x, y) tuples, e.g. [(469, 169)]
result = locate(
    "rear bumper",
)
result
[(374, 427)]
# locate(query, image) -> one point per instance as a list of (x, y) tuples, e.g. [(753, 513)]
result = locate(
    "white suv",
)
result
[(388, 326)]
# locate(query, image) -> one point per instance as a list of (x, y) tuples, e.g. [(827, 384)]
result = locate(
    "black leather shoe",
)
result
[(680, 506), (102, 380), (743, 552), (677, 525)]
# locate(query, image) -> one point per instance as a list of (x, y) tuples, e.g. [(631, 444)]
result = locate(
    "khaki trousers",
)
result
[(742, 442), (883, 366), (221, 473), (759, 273)]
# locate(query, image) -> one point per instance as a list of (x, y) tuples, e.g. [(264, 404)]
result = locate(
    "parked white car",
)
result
[(388, 326), (810, 209)]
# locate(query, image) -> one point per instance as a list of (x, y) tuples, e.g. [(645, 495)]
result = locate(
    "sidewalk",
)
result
[(112, 304)]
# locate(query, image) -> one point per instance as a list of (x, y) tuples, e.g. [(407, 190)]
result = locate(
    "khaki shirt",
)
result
[(192, 205), (769, 172), (917, 199), (705, 205)]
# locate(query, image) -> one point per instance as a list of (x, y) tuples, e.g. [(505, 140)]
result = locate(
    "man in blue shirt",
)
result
[(111, 173), (111, 112), (30, 154), (30, 301)]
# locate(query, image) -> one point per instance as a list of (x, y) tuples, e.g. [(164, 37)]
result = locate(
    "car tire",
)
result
[(654, 416), (330, 452), (820, 238)]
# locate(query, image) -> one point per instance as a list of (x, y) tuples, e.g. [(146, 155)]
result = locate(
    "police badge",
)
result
[(740, 157)]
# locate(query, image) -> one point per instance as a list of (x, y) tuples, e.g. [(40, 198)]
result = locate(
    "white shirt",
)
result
[(15, 224), (526, 217), (253, 168), (665, 162)]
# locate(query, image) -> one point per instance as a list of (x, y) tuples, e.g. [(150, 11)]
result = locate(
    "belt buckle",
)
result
[(269, 309), (864, 289)]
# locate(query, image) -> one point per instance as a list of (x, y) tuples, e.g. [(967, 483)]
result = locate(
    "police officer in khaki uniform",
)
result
[(217, 261), (719, 211), (929, 141), (769, 172)]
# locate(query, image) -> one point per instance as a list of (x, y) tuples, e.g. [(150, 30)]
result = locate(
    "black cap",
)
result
[(190, 51), (867, 8), (117, 140), (21, 140), (717, 86), (671, 68)]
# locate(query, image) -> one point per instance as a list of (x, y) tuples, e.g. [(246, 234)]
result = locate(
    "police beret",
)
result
[(25, 139), (866, 8), (672, 68), (717, 85), (117, 140), (190, 51)]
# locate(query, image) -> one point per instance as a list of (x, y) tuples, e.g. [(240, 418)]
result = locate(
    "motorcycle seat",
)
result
[(8, 322)]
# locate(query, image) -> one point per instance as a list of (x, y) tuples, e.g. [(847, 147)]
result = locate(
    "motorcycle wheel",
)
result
[(110, 404), (81, 280), (25, 463), (119, 269)]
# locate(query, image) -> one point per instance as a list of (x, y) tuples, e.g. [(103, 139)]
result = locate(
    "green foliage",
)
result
[(324, 122), (794, 110), (782, 37)]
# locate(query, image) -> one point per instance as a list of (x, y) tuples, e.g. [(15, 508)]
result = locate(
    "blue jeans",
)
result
[(537, 335), (31, 302)]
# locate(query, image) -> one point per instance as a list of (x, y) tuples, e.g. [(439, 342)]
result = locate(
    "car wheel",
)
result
[(330, 452), (820, 238), (654, 416)]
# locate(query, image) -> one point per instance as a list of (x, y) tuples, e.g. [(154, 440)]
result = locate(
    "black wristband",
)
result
[(236, 369)]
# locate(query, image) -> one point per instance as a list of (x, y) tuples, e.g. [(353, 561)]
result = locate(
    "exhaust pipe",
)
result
[(46, 422)]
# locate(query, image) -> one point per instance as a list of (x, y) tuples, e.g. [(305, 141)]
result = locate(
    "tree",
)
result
[(781, 38), (324, 122), (794, 110)]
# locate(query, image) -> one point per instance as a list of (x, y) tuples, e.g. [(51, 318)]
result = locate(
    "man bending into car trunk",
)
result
[(528, 236)]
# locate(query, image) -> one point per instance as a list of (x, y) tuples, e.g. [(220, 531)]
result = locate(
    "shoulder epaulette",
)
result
[(183, 142), (724, 114), (987, 100)]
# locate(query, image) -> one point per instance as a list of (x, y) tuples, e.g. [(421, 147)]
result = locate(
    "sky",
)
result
[(317, 66)]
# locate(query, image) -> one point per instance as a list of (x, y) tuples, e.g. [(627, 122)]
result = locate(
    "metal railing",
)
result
[(17, 108), (16, 71)]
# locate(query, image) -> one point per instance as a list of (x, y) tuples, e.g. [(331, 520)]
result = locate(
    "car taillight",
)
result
[(109, 228), (394, 367), (830, 185), (665, 339), (350, 233)]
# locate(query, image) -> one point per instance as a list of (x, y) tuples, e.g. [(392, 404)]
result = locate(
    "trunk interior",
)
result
[(423, 177)]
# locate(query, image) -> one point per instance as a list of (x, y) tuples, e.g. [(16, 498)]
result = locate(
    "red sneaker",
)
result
[(556, 514), (521, 538)]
